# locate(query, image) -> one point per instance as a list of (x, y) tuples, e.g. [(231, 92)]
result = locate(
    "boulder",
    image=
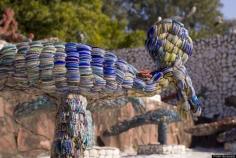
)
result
[(230, 146), (230, 101), (227, 136), (213, 127), (27, 141), (26, 136), (8, 144)]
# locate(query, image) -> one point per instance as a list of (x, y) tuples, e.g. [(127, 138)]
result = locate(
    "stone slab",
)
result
[(230, 146), (160, 149), (102, 152)]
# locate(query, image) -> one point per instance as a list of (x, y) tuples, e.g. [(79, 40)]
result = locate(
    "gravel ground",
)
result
[(190, 153)]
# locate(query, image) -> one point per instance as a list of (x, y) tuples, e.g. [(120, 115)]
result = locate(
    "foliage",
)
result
[(66, 19), (142, 14), (133, 39), (110, 24)]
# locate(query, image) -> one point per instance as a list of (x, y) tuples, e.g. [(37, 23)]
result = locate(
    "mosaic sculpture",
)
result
[(45, 103), (161, 117), (79, 72)]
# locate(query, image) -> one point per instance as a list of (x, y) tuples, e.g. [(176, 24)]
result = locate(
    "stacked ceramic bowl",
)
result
[(97, 67), (121, 69), (7, 57), (32, 62), (59, 70), (129, 77), (109, 70), (139, 84), (86, 73), (150, 87), (20, 74), (46, 67), (72, 65)]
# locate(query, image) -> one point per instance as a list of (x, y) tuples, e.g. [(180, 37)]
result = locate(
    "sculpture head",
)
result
[(168, 43)]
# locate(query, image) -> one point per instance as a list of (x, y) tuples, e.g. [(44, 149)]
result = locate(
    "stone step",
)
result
[(160, 149), (102, 152)]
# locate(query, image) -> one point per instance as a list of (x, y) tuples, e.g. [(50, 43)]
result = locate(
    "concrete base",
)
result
[(160, 149), (102, 152), (230, 146)]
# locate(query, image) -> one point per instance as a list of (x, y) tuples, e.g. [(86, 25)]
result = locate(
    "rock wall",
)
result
[(32, 135), (26, 136), (147, 134), (212, 68)]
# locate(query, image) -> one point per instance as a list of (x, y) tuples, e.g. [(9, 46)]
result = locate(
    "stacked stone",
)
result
[(227, 112), (102, 152), (132, 55), (213, 60), (161, 149)]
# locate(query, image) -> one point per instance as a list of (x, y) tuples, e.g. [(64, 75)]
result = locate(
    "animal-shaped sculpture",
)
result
[(79, 72), (169, 45)]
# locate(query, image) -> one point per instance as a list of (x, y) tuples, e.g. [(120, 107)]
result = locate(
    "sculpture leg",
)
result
[(162, 132), (71, 129)]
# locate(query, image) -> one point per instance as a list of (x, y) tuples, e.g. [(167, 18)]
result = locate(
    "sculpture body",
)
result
[(77, 70)]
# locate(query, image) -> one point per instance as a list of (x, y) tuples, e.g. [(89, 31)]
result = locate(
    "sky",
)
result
[(229, 9)]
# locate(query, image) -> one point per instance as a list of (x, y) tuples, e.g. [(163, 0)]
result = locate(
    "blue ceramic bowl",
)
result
[(81, 47), (59, 62)]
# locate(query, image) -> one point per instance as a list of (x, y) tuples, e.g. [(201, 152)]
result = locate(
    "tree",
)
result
[(142, 14), (67, 19)]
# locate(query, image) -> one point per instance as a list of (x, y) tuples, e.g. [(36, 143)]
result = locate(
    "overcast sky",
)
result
[(229, 9)]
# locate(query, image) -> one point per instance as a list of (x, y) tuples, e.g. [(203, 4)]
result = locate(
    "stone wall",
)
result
[(33, 134), (212, 68), (147, 134), (27, 136)]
